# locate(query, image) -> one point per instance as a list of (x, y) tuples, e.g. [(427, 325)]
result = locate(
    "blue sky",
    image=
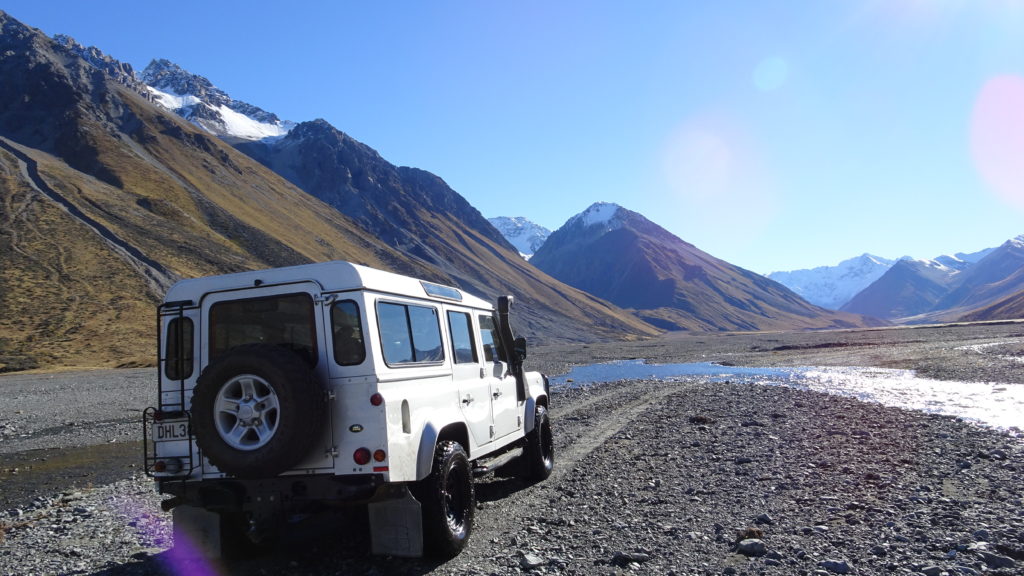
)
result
[(774, 135)]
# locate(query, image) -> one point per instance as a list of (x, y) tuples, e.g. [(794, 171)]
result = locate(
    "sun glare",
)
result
[(997, 137), (698, 163), (770, 74), (714, 177)]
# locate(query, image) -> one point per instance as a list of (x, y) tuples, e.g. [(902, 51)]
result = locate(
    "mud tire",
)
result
[(448, 500), (539, 452)]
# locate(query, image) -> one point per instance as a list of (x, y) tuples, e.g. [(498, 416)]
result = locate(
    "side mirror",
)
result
[(520, 348)]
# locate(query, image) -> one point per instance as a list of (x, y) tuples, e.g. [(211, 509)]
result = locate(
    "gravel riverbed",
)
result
[(650, 478)]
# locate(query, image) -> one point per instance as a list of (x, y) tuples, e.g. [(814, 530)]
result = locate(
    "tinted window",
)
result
[(490, 339), (178, 358), (286, 321), (409, 334), (347, 328), (461, 329)]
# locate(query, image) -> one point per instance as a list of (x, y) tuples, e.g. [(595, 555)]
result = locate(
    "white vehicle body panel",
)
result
[(419, 400)]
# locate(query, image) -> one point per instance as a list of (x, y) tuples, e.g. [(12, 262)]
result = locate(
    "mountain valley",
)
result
[(115, 184)]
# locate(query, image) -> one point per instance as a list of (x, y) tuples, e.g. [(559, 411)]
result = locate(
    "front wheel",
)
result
[(539, 454), (448, 500)]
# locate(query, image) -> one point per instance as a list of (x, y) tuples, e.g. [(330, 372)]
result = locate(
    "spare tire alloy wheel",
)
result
[(246, 412), (257, 411)]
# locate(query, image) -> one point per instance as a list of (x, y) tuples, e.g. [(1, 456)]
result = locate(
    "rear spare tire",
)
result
[(257, 410)]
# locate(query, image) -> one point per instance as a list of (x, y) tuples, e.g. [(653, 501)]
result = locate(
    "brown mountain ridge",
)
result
[(107, 198), (625, 258)]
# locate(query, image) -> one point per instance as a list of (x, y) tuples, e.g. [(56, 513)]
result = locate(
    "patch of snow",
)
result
[(173, 101), (523, 234), (832, 286), (234, 123), (600, 213), (242, 126)]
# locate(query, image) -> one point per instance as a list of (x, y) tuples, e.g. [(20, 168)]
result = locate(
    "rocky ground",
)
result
[(650, 478)]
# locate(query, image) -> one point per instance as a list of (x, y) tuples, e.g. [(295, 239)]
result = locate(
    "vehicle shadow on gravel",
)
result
[(500, 485), (331, 542), (327, 543)]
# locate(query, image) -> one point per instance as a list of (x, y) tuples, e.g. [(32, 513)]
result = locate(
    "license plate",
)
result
[(172, 430)]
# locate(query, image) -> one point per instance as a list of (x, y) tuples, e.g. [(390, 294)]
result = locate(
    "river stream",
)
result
[(992, 404)]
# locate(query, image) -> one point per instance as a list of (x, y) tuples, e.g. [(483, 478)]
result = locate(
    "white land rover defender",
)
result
[(284, 391)]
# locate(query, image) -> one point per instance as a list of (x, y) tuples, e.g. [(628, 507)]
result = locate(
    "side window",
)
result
[(409, 334), (286, 321), (491, 340), (347, 328), (461, 329), (178, 349)]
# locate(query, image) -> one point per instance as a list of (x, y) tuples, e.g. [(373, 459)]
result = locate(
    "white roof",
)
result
[(333, 276)]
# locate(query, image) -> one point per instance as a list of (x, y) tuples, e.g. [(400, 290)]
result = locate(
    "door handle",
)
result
[(496, 394), (467, 400)]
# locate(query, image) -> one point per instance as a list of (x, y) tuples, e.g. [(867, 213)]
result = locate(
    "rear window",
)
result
[(347, 328), (409, 334), (178, 349), (461, 329), (287, 321)]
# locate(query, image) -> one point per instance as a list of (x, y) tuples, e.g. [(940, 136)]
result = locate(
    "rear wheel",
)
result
[(449, 500), (539, 453)]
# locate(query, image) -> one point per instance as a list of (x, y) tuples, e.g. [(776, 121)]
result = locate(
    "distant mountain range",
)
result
[(621, 256), (524, 235), (947, 288), (832, 286)]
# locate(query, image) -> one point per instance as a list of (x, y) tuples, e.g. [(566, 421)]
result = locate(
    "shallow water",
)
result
[(992, 404)]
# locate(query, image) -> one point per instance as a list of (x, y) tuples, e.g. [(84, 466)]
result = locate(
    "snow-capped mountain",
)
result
[(623, 257), (909, 287), (605, 214), (526, 236), (190, 96), (832, 286), (196, 99), (945, 288)]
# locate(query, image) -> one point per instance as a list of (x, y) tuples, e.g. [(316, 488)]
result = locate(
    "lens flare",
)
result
[(699, 163), (770, 74), (997, 137)]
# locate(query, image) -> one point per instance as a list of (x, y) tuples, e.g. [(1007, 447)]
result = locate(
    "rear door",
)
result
[(289, 316)]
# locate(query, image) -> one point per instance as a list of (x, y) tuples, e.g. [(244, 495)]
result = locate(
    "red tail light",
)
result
[(362, 456)]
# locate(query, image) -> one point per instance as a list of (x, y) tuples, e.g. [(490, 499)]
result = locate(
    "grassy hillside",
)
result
[(107, 199), (1010, 308)]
